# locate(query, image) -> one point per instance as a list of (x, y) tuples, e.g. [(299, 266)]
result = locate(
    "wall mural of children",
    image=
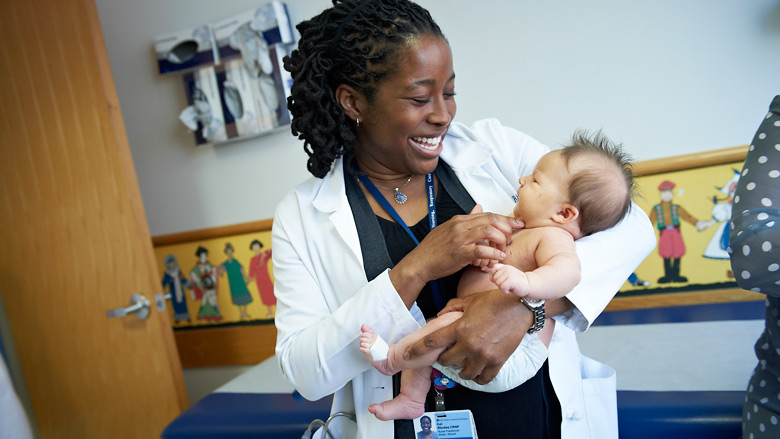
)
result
[(237, 281), (258, 270), (666, 216), (175, 282), (721, 214), (204, 283), (634, 280)]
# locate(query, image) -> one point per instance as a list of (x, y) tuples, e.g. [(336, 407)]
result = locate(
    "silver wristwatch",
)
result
[(536, 307)]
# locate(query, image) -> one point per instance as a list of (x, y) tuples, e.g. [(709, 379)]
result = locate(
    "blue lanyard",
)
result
[(437, 295)]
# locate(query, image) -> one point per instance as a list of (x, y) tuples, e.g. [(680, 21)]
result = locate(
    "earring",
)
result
[(357, 121)]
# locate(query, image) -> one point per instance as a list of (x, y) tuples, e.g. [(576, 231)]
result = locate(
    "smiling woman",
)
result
[(408, 116), (373, 98), (405, 121)]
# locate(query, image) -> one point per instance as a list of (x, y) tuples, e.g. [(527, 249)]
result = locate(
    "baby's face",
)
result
[(543, 193)]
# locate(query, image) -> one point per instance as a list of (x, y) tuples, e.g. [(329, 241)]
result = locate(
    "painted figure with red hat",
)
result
[(666, 216)]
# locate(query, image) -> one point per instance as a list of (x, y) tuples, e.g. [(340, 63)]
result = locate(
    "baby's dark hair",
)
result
[(357, 43), (602, 184)]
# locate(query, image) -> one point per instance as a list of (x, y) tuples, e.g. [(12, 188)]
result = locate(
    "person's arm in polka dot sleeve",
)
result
[(754, 241)]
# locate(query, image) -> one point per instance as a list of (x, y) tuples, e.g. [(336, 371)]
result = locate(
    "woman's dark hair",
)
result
[(256, 241), (357, 43)]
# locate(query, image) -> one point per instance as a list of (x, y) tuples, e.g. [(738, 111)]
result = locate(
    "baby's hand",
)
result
[(509, 279), (487, 264)]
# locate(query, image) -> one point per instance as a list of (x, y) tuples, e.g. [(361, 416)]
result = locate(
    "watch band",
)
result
[(536, 307)]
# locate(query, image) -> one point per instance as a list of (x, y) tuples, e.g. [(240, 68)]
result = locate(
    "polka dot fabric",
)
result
[(755, 223), (755, 259)]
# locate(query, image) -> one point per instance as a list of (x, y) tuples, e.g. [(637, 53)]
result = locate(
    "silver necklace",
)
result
[(398, 196)]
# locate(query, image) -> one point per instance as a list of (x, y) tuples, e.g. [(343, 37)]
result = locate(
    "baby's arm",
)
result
[(558, 269)]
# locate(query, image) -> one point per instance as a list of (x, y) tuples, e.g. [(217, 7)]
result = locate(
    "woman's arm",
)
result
[(451, 246), (321, 303), (754, 238)]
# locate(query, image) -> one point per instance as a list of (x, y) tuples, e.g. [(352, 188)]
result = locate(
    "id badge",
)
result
[(449, 424)]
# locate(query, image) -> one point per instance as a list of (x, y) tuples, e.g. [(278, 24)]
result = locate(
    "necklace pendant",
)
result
[(400, 197)]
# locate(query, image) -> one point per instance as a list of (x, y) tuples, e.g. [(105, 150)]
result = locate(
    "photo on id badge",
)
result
[(451, 424)]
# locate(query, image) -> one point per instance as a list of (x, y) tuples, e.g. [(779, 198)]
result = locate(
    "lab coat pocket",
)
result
[(599, 388)]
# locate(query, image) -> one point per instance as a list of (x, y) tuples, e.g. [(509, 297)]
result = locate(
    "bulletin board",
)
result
[(690, 263)]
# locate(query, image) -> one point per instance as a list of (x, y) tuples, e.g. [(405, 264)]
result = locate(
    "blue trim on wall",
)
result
[(753, 310)]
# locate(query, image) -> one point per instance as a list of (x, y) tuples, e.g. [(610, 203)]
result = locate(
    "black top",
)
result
[(521, 409), (399, 243)]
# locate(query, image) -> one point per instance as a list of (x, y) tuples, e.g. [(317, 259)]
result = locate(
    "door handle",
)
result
[(159, 300), (139, 305)]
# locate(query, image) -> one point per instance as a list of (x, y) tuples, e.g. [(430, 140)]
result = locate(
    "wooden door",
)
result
[(74, 241)]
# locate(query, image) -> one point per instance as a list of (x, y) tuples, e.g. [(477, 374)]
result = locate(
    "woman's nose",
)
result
[(440, 115)]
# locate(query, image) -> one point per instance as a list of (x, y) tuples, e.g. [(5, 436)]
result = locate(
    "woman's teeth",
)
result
[(428, 142)]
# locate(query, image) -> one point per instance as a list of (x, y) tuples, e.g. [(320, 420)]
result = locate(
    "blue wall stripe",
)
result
[(753, 310)]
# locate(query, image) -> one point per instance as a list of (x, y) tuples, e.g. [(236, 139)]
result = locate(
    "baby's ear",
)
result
[(567, 213)]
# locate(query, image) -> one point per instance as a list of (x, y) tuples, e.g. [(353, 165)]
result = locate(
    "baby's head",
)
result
[(585, 188)]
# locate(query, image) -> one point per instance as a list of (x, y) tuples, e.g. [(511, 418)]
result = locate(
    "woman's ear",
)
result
[(567, 214), (350, 100)]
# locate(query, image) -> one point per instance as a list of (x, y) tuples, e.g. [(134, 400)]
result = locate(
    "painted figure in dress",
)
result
[(237, 281), (721, 214), (204, 284), (258, 270), (175, 282)]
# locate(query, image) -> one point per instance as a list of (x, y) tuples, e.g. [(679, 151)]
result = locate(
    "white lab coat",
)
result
[(323, 296)]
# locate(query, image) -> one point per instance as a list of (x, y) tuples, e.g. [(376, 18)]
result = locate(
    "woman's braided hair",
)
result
[(357, 43)]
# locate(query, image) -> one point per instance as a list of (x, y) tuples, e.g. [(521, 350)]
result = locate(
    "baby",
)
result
[(576, 191)]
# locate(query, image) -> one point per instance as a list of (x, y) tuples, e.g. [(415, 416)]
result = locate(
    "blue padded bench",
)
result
[(248, 416), (641, 414), (672, 415)]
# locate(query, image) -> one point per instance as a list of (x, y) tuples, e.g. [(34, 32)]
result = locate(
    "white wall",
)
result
[(665, 77)]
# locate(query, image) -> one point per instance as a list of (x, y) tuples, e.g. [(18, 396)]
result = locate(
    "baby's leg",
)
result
[(410, 403), (392, 361)]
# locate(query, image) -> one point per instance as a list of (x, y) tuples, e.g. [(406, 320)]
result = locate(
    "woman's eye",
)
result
[(421, 101), (449, 95)]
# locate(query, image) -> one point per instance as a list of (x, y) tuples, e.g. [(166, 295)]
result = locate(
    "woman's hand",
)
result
[(492, 326), (450, 247)]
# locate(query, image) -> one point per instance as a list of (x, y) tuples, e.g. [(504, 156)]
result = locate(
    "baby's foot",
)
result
[(400, 407), (376, 350)]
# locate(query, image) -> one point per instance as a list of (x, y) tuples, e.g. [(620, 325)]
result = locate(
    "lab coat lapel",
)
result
[(471, 162), (331, 200)]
